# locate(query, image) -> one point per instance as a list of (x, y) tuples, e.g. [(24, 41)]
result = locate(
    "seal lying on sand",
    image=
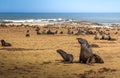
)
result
[(5, 43), (107, 37), (67, 57), (86, 54), (50, 32)]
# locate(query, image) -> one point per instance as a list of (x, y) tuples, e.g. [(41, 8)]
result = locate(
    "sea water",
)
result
[(60, 17)]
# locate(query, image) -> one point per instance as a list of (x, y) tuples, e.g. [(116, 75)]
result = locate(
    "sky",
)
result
[(59, 5)]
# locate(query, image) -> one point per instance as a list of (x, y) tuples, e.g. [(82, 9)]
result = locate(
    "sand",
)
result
[(36, 56)]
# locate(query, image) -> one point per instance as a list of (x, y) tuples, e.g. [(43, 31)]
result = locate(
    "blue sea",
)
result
[(58, 17)]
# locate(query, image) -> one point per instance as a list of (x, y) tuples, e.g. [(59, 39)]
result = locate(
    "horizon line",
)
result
[(59, 12)]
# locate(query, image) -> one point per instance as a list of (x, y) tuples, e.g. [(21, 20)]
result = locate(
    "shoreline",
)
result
[(62, 24)]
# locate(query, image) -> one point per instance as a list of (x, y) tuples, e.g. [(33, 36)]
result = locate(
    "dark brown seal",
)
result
[(68, 58), (86, 54), (4, 44), (27, 33)]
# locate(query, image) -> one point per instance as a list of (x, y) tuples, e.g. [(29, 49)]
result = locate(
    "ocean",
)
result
[(108, 18)]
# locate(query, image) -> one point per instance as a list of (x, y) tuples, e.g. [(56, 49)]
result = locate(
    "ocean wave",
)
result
[(37, 20)]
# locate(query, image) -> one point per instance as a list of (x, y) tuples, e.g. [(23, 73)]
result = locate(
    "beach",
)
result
[(59, 39), (36, 57)]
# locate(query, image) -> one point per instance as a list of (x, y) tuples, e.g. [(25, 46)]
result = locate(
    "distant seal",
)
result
[(107, 37), (68, 58), (5, 44), (50, 32), (27, 33)]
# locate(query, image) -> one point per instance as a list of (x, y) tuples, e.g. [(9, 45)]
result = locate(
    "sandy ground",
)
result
[(36, 56)]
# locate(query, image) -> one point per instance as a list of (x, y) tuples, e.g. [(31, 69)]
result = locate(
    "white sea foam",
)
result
[(38, 20), (18, 20)]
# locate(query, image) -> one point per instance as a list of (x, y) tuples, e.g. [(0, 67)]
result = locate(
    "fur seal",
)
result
[(86, 54), (5, 44), (68, 58)]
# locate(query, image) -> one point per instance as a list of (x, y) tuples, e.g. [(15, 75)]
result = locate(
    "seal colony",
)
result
[(35, 54)]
